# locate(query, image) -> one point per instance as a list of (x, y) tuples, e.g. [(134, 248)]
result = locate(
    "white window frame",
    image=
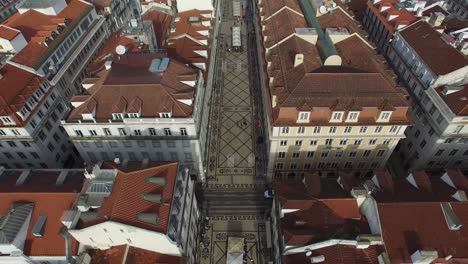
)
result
[(384, 116), (303, 117), (352, 116), (133, 115), (337, 116), (117, 116), (165, 115)]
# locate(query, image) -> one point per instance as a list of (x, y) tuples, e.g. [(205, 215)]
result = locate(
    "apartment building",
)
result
[(116, 12), (55, 39), (184, 5), (332, 102), (48, 45), (37, 210), (141, 106), (146, 205), (435, 75), (7, 8), (459, 8)]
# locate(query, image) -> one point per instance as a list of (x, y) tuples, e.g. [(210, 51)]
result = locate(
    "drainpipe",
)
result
[(64, 233)]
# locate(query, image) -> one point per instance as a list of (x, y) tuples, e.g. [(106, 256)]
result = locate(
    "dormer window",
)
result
[(7, 120), (38, 93), (165, 115), (337, 117), (384, 116), (23, 113), (133, 115), (303, 117), (117, 116), (352, 117)]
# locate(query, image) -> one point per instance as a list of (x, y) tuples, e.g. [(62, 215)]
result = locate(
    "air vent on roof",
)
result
[(153, 197), (23, 177), (61, 178), (39, 226), (161, 181), (150, 218)]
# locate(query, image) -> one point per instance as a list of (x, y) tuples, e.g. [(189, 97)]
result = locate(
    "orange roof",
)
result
[(125, 201), (130, 80), (161, 24), (134, 255), (8, 33), (407, 227), (403, 15), (32, 23)]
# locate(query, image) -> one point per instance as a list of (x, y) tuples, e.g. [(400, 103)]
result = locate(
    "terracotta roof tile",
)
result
[(134, 255), (130, 77), (339, 254), (403, 15), (125, 201), (408, 227), (435, 53), (457, 101), (161, 24), (8, 33)]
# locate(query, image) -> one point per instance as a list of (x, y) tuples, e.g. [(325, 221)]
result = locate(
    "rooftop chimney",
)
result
[(436, 19)]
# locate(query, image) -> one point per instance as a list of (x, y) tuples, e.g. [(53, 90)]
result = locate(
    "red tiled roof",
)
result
[(8, 33), (41, 181), (435, 53), (321, 220), (52, 205), (161, 24), (339, 254), (403, 15), (129, 79), (457, 101), (33, 23), (125, 201), (134, 255), (407, 227), (16, 87)]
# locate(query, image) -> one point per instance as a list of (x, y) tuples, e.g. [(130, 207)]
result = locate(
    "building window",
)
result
[(348, 129), (107, 132), (337, 117), (303, 117), (317, 130), (332, 130), (448, 140), (328, 141), (137, 132), (25, 144), (384, 116), (339, 154), (393, 129), (439, 152), (152, 131), (165, 115), (453, 152), (295, 154), (283, 142), (15, 132), (117, 116), (366, 153), (343, 141), (293, 166), (92, 132), (307, 166), (439, 119), (357, 141), (458, 129), (363, 129), (122, 132), (387, 141), (372, 141), (352, 153), (380, 153), (423, 144), (352, 117), (279, 165), (133, 115), (285, 130), (324, 154), (310, 154), (378, 129), (417, 133), (301, 130), (431, 131), (170, 144), (78, 133), (281, 155), (298, 143), (167, 131), (313, 142), (183, 131)]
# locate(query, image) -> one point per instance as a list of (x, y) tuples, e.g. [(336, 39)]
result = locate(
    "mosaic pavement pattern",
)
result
[(214, 243)]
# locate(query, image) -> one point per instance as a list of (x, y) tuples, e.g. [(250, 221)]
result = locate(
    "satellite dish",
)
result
[(120, 49), (323, 10)]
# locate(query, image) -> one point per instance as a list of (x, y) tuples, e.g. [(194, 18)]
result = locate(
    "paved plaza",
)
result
[(233, 191)]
